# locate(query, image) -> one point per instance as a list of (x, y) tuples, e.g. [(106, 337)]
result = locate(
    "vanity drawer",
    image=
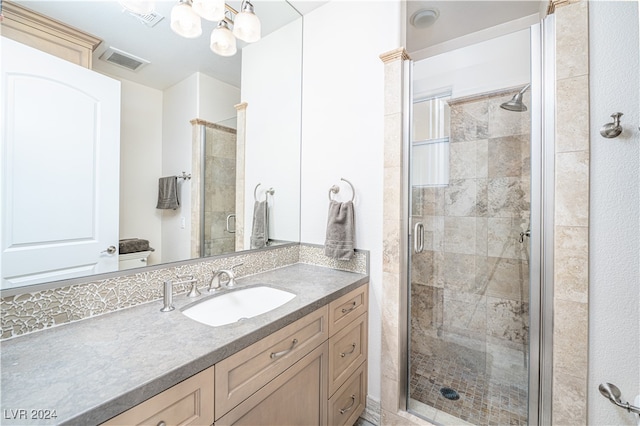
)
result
[(346, 405), (296, 397), (190, 402), (242, 374), (347, 350), (344, 310)]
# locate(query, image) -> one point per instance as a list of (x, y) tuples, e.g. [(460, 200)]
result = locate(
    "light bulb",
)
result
[(185, 22), (211, 10), (223, 42), (246, 26)]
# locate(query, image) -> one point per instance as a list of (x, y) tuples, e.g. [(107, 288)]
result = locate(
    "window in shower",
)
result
[(430, 144), (469, 276)]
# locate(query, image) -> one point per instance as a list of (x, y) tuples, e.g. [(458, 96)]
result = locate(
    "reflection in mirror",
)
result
[(177, 114)]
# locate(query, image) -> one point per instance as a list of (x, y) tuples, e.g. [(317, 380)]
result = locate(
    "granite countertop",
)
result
[(91, 370)]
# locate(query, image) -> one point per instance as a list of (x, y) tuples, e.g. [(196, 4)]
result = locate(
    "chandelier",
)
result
[(186, 22)]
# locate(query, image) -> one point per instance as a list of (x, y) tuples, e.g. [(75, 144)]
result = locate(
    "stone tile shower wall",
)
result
[(470, 285), (220, 189)]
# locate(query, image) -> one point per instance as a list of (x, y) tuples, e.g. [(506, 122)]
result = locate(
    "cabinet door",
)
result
[(296, 397), (243, 373), (188, 403)]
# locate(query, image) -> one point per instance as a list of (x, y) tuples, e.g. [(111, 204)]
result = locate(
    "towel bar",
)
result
[(269, 191), (335, 189)]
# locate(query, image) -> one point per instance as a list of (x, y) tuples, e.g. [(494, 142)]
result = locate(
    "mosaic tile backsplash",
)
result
[(29, 312)]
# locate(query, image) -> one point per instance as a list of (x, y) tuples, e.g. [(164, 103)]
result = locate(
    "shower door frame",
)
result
[(542, 43)]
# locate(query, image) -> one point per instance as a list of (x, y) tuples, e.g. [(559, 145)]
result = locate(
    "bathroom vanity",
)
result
[(304, 362), (289, 377)]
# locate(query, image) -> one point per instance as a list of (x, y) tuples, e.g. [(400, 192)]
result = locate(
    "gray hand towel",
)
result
[(260, 228), (168, 193), (341, 230)]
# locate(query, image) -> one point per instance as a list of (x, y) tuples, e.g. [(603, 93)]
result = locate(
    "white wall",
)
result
[(614, 262), (271, 86), (141, 165), (179, 108), (491, 65), (343, 130), (197, 96), (216, 100)]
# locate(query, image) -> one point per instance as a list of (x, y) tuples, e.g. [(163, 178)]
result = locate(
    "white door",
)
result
[(60, 144)]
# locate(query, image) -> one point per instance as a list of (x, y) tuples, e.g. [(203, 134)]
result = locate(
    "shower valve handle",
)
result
[(526, 233)]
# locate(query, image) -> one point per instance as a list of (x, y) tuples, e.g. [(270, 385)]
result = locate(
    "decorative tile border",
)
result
[(314, 254), (29, 312)]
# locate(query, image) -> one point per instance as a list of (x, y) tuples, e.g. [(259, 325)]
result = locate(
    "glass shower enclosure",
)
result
[(470, 215)]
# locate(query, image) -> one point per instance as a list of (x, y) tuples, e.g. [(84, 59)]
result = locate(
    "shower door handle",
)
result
[(228, 227), (418, 237)]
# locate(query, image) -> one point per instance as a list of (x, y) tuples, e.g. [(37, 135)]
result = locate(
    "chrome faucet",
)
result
[(168, 292), (217, 284)]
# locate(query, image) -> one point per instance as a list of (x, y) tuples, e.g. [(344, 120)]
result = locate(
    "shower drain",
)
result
[(450, 394)]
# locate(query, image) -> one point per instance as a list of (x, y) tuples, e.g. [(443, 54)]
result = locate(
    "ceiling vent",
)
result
[(150, 19), (123, 59)]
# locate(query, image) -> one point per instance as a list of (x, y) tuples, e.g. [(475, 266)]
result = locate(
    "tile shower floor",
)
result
[(483, 400)]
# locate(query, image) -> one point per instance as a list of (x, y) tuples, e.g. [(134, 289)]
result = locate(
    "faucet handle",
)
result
[(194, 292), (214, 285)]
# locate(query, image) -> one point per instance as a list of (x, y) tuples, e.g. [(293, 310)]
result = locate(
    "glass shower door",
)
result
[(469, 261)]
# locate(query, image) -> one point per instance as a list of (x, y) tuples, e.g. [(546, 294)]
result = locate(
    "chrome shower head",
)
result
[(515, 104), (610, 391)]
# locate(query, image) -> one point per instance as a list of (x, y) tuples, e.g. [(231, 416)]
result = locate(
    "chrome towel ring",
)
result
[(335, 189), (269, 191)]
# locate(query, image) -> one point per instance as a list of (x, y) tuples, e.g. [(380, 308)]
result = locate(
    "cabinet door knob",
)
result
[(162, 423)]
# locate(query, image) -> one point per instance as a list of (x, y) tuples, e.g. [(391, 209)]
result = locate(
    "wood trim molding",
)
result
[(52, 36), (241, 106), (201, 122), (394, 55)]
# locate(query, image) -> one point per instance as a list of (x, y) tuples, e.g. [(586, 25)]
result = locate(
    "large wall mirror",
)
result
[(178, 116)]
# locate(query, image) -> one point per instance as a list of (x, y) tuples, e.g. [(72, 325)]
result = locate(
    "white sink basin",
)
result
[(234, 305)]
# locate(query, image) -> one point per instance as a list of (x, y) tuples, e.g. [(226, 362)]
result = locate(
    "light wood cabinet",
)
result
[(347, 308), (41, 32), (348, 346), (190, 402), (348, 349), (277, 380), (241, 374), (346, 405), (311, 372), (296, 397)]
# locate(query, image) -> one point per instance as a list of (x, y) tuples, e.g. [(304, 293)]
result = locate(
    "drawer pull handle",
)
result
[(353, 401), (353, 348), (345, 310), (279, 354)]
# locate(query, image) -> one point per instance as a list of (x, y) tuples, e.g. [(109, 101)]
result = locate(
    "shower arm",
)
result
[(524, 89)]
